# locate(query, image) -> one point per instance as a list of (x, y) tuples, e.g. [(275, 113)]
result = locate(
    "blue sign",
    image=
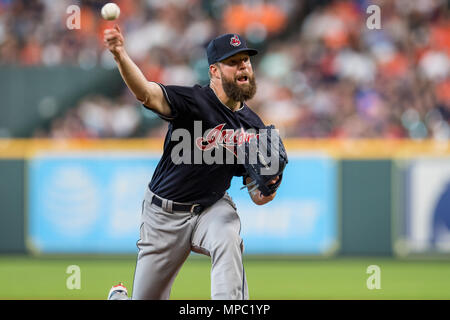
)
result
[(87, 203), (302, 219)]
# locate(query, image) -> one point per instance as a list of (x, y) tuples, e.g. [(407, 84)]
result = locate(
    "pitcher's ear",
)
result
[(214, 71)]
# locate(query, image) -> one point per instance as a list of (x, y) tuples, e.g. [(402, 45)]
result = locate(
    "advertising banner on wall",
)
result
[(302, 219), (427, 211), (86, 203), (91, 203)]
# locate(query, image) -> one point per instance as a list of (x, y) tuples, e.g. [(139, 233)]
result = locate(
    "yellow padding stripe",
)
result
[(358, 149)]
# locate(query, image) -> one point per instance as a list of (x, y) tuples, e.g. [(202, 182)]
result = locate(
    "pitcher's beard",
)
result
[(238, 92)]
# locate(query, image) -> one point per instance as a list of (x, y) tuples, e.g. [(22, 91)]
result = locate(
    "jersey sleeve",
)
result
[(257, 123), (241, 172), (180, 99)]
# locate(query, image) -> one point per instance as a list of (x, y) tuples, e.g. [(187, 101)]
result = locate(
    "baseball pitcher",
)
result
[(186, 206)]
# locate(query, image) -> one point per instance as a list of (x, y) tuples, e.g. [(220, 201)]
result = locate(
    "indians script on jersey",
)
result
[(208, 147), (227, 138)]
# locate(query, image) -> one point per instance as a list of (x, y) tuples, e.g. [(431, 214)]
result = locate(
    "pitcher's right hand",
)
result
[(114, 40)]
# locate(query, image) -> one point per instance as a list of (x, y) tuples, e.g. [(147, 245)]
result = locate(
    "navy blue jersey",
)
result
[(200, 182)]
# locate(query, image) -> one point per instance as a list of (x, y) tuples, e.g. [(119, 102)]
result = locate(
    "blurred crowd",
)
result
[(323, 70)]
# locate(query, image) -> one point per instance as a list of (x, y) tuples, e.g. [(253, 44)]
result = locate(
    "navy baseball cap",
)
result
[(225, 46)]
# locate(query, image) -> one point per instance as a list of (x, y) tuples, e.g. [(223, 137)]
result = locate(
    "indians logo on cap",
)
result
[(235, 42)]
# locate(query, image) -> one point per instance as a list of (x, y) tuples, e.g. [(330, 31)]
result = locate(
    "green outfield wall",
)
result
[(12, 206), (365, 187)]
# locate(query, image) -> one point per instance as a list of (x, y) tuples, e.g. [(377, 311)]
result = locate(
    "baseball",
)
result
[(110, 11)]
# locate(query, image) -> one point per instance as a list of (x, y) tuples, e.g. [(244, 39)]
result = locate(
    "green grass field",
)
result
[(273, 279)]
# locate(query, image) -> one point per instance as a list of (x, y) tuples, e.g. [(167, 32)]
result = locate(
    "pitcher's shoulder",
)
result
[(249, 114)]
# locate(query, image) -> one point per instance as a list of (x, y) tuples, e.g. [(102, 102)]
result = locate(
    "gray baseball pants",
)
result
[(167, 237)]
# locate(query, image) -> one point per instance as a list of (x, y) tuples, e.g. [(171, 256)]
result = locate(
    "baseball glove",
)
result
[(264, 159)]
